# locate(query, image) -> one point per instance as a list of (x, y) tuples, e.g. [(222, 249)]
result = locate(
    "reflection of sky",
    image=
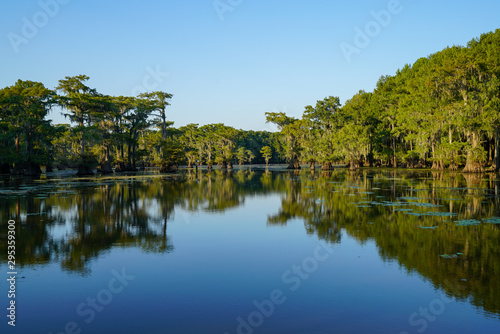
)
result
[(64, 231), (220, 265)]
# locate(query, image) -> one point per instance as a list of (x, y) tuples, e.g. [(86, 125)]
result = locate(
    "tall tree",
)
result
[(24, 107), (160, 101), (267, 153), (319, 124), (291, 131), (81, 102)]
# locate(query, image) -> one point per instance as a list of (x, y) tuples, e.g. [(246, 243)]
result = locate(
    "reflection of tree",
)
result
[(296, 203), (135, 212), (329, 202), (220, 190), (96, 216), (33, 241), (100, 217)]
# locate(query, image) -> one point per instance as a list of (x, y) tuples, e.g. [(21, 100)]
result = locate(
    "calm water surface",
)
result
[(250, 251)]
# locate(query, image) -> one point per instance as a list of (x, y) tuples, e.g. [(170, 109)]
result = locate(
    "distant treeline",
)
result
[(107, 131), (441, 112)]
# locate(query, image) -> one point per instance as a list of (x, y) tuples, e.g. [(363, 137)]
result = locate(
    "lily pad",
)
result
[(36, 213), (468, 222), (417, 214), (492, 220), (426, 205), (449, 256)]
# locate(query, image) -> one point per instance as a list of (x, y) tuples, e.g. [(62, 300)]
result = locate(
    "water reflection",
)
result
[(442, 226)]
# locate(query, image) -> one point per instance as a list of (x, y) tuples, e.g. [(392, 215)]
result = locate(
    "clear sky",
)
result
[(230, 61)]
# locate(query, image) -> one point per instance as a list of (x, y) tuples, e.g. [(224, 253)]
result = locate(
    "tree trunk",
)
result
[(327, 166), (163, 125), (453, 166), (395, 160), (490, 152), (133, 158), (84, 171), (129, 156), (352, 165), (472, 166), (82, 141), (294, 164), (497, 150), (17, 144), (168, 168), (105, 167), (495, 167), (434, 162)]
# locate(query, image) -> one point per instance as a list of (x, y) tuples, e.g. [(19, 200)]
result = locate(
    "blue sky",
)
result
[(233, 64)]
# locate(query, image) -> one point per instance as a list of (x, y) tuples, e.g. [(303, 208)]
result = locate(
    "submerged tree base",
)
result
[(168, 169), (294, 165), (438, 165), (453, 166), (327, 166), (121, 167), (105, 168), (85, 171), (493, 168), (28, 169), (473, 168)]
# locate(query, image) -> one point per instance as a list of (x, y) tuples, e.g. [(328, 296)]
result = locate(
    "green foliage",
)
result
[(173, 153), (267, 153), (444, 109), (25, 134)]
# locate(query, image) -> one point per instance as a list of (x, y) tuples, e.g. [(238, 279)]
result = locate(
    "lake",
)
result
[(255, 251)]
